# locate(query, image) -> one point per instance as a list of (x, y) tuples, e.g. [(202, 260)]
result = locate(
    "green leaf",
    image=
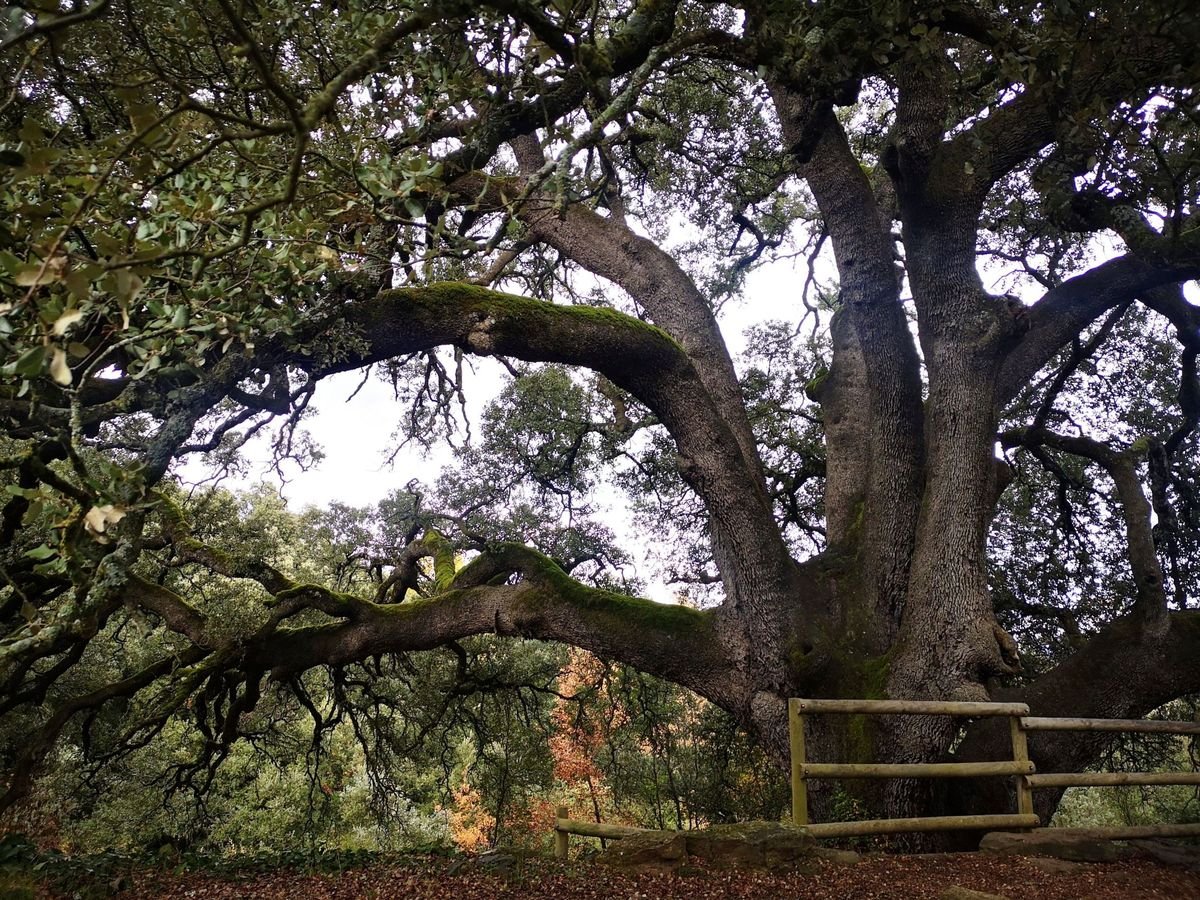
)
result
[(79, 283), (31, 132), (31, 361)]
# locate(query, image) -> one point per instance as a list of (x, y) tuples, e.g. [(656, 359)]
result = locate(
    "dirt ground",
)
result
[(1016, 878)]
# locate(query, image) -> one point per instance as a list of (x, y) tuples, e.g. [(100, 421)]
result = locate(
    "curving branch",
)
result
[(637, 357), (513, 590), (1124, 671), (609, 248), (1121, 467), (51, 24), (1014, 132), (42, 740), (1065, 311), (1170, 303)]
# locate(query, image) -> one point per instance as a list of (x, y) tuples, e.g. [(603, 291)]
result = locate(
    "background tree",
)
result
[(473, 745), (217, 205)]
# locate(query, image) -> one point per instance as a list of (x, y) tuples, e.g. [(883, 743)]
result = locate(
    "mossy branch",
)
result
[(672, 641), (178, 532)]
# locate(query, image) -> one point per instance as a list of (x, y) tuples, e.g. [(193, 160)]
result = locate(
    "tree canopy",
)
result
[(971, 472)]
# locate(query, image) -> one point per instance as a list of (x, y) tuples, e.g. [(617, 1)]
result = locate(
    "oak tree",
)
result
[(214, 205)]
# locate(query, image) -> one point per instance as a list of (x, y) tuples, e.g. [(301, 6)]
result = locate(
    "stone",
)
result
[(1055, 866), (837, 857), (1169, 853), (757, 845), (1077, 848), (753, 845), (956, 892), (494, 862), (661, 851)]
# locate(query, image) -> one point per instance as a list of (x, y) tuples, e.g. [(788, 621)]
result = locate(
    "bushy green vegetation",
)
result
[(1100, 807), (467, 746)]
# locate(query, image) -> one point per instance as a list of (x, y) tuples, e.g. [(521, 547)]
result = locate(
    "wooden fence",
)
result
[(564, 827), (1020, 767)]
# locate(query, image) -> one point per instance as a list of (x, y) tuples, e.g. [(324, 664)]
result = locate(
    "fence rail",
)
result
[(1144, 726), (915, 770), (1020, 767), (564, 827), (925, 823)]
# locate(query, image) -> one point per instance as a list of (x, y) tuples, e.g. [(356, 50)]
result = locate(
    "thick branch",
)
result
[(1084, 78), (177, 614), (674, 642), (881, 344), (610, 249), (1128, 669), (639, 358), (1065, 311), (179, 533)]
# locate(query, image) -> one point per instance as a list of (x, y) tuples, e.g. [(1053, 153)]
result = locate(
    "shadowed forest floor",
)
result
[(875, 877)]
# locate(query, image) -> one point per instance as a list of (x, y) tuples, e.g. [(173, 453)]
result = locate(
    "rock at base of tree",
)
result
[(647, 851), (837, 857), (1169, 853), (954, 892), (1076, 848), (755, 845), (493, 862), (758, 845)]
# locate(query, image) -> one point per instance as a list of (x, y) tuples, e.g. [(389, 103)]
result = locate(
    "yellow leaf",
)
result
[(59, 370), (46, 272), (98, 518), (65, 321), (129, 285)]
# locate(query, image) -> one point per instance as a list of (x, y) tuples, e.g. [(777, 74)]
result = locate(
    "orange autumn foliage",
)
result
[(470, 823), (575, 739)]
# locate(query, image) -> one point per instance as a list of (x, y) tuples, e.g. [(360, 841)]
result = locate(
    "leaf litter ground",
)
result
[(915, 877)]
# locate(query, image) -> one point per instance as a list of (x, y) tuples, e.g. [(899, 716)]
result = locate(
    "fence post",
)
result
[(561, 837), (1020, 746), (796, 741)]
